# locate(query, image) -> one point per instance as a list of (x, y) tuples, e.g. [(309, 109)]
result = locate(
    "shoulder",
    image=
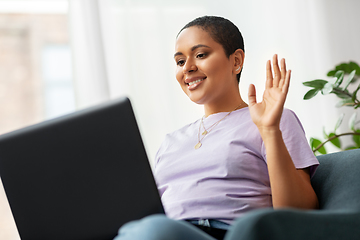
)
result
[(177, 138), (289, 115), (183, 131), (241, 115), (290, 120)]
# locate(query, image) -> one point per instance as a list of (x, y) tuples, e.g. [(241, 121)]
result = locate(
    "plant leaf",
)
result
[(331, 73), (355, 93), (335, 141), (352, 121), (345, 102), (311, 93), (339, 121), (355, 66), (350, 148), (340, 77), (327, 88), (314, 143), (346, 67), (356, 138), (343, 67), (317, 84), (349, 79)]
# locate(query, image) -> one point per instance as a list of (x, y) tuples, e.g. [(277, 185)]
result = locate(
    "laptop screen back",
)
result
[(80, 176)]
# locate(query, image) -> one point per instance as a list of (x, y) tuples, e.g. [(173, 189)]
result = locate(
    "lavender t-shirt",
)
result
[(227, 176)]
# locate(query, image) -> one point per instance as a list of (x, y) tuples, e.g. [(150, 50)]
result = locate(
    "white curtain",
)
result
[(124, 47), (90, 74)]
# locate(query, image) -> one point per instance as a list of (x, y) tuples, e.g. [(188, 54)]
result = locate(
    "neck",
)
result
[(224, 106)]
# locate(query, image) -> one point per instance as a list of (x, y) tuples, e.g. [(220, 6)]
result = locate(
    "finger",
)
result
[(252, 95), (285, 87), (283, 72), (283, 68), (277, 73), (269, 76)]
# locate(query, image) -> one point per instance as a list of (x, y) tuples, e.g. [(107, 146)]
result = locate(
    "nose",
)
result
[(189, 66)]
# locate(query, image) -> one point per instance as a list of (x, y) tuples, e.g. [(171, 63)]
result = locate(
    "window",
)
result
[(57, 80), (35, 73)]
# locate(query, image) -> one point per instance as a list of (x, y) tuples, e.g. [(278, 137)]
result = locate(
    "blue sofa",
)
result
[(337, 185)]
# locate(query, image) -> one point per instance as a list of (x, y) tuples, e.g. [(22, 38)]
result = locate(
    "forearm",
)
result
[(290, 187)]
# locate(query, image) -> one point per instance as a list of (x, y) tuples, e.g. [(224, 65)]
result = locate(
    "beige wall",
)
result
[(22, 37)]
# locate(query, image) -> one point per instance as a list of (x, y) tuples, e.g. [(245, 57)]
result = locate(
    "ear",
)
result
[(238, 57)]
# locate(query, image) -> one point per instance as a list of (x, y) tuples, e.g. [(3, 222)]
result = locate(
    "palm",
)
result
[(267, 114)]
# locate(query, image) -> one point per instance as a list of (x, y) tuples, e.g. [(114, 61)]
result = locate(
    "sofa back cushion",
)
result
[(337, 181)]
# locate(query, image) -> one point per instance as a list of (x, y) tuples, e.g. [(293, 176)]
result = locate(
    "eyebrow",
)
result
[(192, 49)]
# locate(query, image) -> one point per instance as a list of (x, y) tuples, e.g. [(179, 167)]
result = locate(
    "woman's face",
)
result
[(203, 70)]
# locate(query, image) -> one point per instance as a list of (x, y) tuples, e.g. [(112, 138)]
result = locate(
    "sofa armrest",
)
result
[(296, 225)]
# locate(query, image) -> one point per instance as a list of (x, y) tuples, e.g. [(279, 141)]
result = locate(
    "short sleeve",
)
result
[(296, 143)]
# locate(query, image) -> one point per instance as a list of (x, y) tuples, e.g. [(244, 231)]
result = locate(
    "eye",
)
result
[(180, 63), (201, 55)]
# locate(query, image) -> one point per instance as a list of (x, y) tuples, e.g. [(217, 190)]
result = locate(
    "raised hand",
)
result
[(267, 114)]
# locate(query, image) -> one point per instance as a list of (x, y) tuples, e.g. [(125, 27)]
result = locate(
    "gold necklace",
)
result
[(207, 131)]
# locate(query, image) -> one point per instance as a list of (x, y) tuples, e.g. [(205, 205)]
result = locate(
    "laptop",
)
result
[(79, 176)]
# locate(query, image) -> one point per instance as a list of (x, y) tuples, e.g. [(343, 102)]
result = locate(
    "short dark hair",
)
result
[(222, 31)]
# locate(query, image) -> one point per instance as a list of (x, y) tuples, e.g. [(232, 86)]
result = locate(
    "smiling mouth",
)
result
[(197, 81)]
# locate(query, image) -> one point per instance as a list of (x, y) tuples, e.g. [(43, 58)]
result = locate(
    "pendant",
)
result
[(204, 132), (198, 145)]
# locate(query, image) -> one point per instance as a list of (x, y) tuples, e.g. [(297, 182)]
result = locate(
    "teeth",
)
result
[(197, 81)]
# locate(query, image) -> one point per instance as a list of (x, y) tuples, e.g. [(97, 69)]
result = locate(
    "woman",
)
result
[(220, 167)]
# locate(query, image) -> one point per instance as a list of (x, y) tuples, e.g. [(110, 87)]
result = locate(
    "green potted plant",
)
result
[(344, 75)]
